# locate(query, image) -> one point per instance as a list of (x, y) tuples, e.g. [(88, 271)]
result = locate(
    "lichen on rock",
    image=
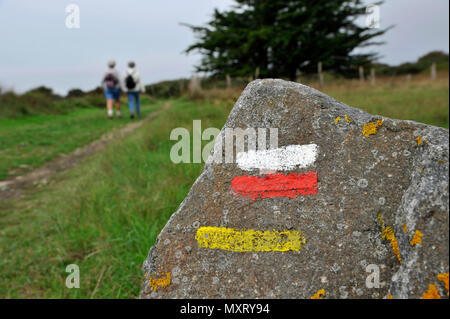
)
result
[(319, 294), (371, 128), (388, 234), (357, 177), (431, 293), (161, 281), (444, 279), (417, 238)]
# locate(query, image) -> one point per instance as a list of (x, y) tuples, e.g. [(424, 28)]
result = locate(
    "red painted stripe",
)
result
[(275, 185)]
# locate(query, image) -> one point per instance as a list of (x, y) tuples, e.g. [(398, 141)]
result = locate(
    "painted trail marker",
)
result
[(275, 185), (279, 159), (270, 162), (249, 240)]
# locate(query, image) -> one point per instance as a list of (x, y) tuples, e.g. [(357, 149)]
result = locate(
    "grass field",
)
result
[(105, 214)]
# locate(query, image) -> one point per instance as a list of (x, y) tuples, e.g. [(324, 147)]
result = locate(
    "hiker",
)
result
[(111, 84), (133, 86)]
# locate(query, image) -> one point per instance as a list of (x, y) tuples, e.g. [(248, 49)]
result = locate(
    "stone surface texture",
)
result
[(397, 178)]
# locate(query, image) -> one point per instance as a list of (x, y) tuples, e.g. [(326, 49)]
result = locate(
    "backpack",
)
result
[(129, 82), (111, 81)]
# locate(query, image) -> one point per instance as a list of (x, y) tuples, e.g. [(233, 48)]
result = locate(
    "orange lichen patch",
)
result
[(336, 121), (389, 296), (371, 128), (347, 119), (388, 234), (319, 294), (432, 293), (444, 279), (405, 228), (162, 281), (417, 238), (419, 140)]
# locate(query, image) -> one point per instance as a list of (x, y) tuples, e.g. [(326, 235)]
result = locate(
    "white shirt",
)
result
[(137, 79)]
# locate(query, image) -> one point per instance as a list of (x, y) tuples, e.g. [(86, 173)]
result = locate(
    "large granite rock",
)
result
[(381, 203)]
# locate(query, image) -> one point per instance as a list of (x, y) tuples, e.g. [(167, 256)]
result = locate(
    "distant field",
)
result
[(419, 99), (103, 215), (30, 141)]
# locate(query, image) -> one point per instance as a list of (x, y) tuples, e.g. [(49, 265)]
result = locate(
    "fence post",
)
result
[(372, 76), (195, 85), (361, 74), (319, 71), (257, 73), (181, 86), (228, 81), (408, 78), (297, 76), (433, 71)]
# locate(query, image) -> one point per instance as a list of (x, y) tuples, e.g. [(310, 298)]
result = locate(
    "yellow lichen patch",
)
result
[(371, 128), (162, 281), (380, 220), (405, 228), (432, 293), (249, 240), (388, 234), (444, 279), (417, 238), (319, 294), (336, 121), (419, 140), (347, 119)]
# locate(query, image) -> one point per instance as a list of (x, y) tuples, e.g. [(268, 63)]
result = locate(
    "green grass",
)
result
[(30, 141), (104, 215)]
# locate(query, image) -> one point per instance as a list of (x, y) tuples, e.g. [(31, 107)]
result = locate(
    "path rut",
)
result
[(15, 187)]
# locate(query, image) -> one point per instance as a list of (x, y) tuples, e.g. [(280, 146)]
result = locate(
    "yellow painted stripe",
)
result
[(249, 240)]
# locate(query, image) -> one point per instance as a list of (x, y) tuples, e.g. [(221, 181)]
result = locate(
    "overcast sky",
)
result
[(38, 49)]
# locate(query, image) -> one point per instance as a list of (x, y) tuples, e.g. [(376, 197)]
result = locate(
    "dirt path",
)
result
[(16, 186)]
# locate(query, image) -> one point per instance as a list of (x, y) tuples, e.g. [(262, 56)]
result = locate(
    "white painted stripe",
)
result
[(280, 159)]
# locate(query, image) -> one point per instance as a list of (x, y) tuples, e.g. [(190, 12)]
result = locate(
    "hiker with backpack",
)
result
[(112, 86), (133, 86)]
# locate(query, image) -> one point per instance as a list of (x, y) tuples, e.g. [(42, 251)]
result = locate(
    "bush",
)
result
[(95, 100), (30, 103), (422, 65), (43, 101), (177, 88), (167, 89), (75, 93)]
